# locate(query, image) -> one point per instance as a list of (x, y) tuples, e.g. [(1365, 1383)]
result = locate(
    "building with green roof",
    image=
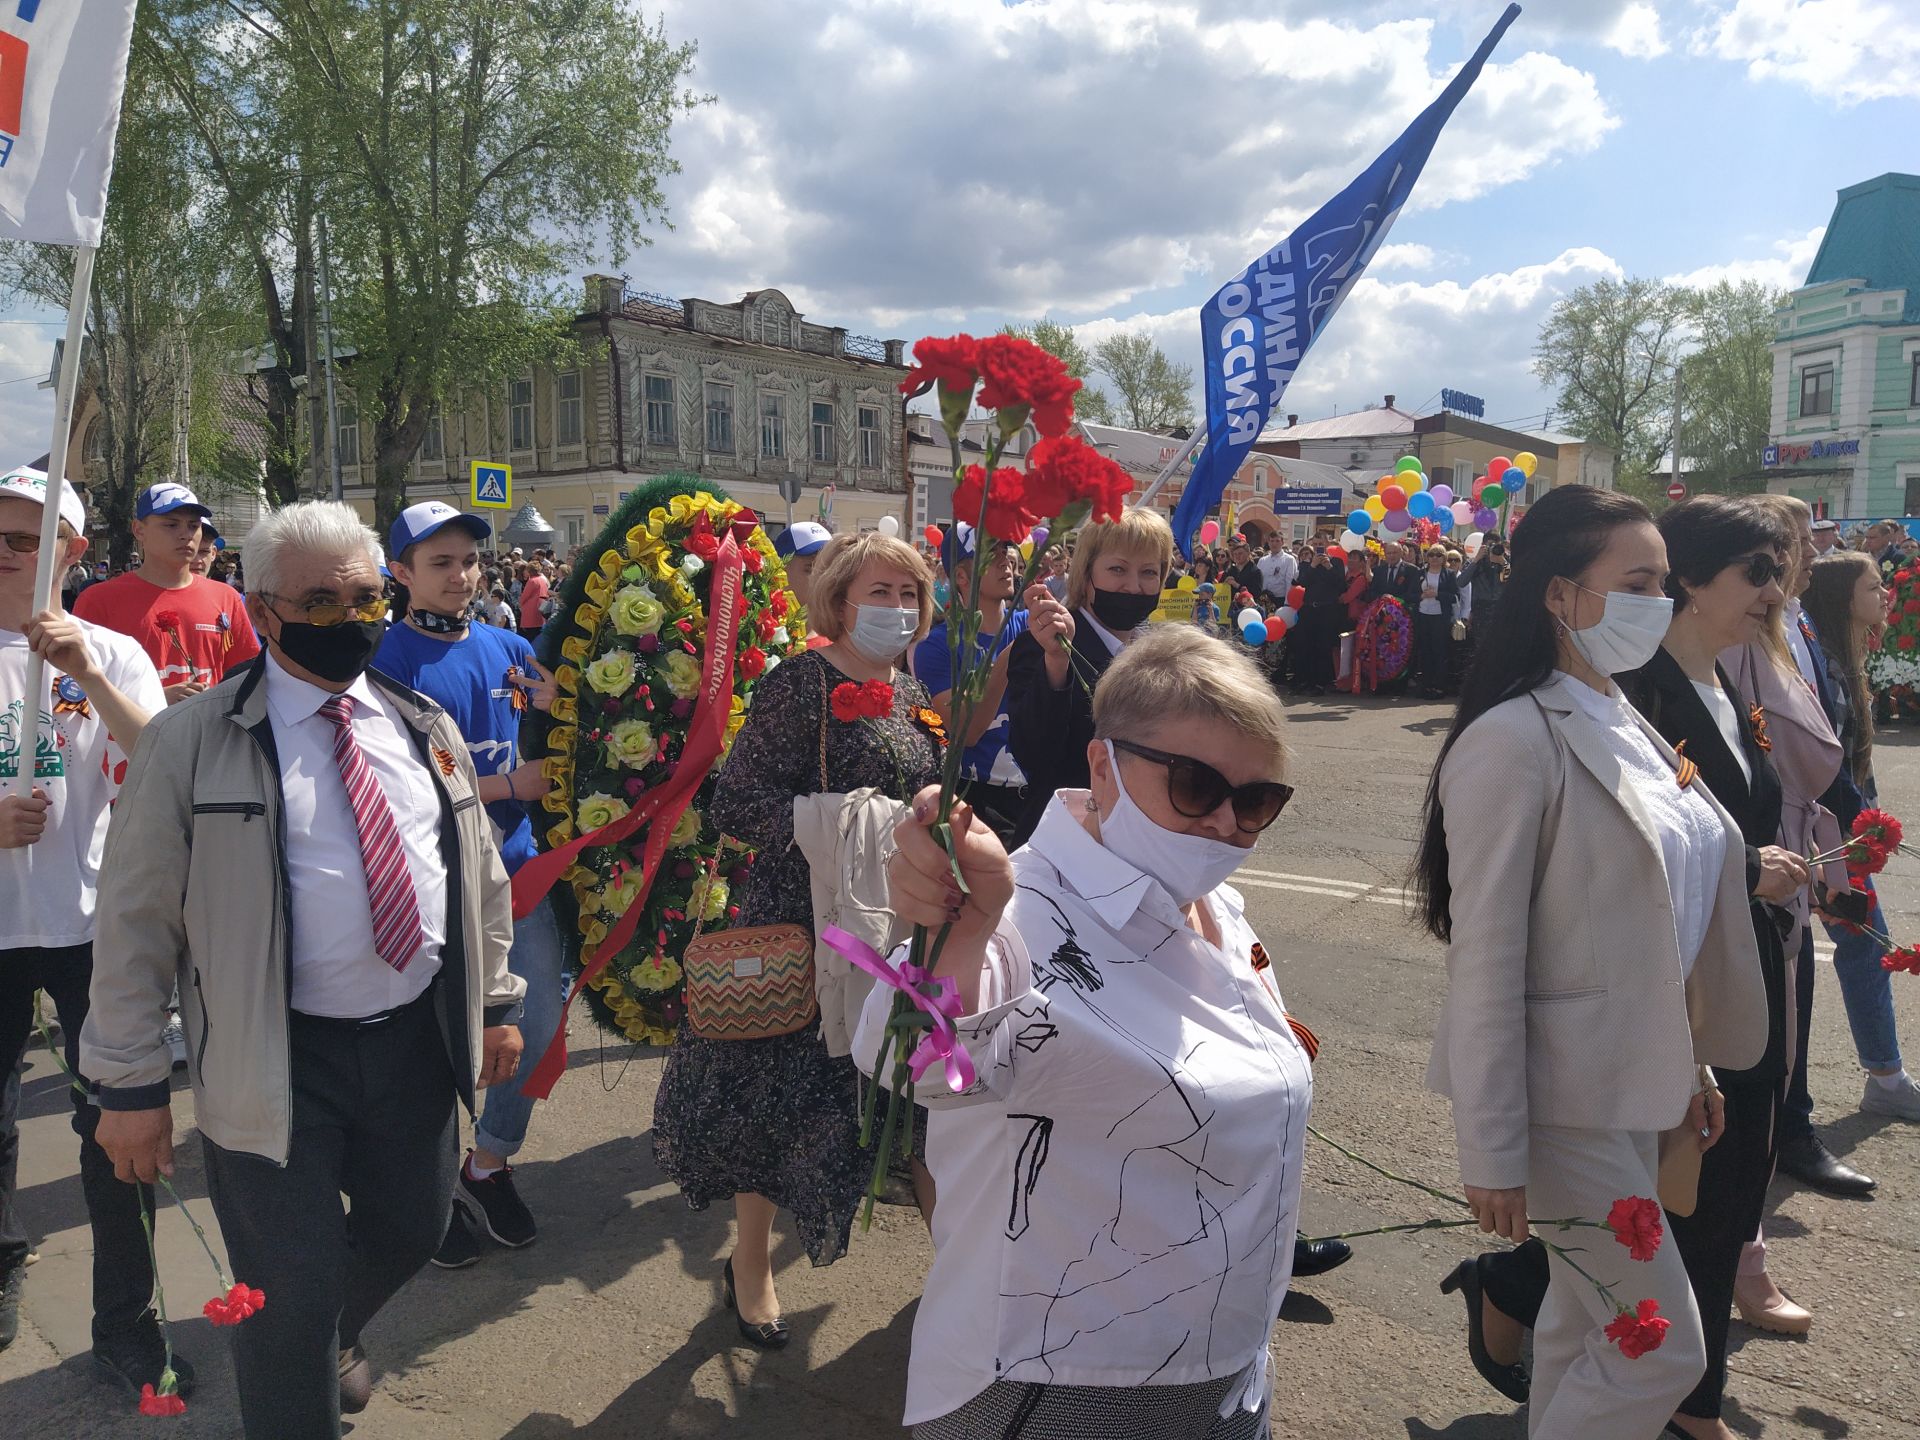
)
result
[(1845, 431)]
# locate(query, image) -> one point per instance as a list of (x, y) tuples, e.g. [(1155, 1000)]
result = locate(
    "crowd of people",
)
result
[(274, 838)]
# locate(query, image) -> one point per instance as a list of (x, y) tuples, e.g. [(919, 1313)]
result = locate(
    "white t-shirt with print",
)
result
[(47, 888)]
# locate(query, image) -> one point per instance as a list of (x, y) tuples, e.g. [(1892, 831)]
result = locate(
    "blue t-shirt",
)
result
[(989, 759), (468, 679)]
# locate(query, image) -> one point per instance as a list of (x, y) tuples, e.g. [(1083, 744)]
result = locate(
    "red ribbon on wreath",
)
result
[(661, 807)]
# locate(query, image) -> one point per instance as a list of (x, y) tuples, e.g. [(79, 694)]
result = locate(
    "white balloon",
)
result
[(1288, 614), (890, 525), (1474, 541), (1246, 617)]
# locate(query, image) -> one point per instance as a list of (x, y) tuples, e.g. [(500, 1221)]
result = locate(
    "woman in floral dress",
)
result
[(775, 1123)]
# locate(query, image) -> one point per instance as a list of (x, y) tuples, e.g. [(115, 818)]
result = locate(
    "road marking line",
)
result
[(1394, 898), (1310, 879)]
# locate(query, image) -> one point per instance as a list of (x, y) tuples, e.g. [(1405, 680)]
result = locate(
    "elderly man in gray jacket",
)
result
[(302, 851)]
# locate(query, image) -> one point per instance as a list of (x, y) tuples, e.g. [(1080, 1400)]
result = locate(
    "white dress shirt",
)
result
[(1797, 644), (1118, 1190), (1693, 842), (336, 970)]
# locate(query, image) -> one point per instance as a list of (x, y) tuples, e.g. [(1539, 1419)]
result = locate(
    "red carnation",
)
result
[(238, 1304), (1906, 958), (951, 362), (167, 1404), (876, 699), (1881, 826), (1637, 1224), (764, 624), (753, 560), (1640, 1331), (752, 662), (167, 619), (845, 702), (1008, 515), (777, 602), (1018, 373), (1906, 642), (1063, 471)]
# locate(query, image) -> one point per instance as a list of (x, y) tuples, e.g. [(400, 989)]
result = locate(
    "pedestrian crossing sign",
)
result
[(492, 486)]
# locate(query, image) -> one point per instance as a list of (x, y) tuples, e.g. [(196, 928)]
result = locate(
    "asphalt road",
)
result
[(610, 1325)]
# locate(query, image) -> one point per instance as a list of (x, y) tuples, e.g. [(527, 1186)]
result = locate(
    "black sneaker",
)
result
[(495, 1206), (136, 1357), (458, 1249), (13, 1285)]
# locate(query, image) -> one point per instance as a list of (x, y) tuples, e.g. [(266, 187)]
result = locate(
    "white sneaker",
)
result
[(176, 1037), (1900, 1103)]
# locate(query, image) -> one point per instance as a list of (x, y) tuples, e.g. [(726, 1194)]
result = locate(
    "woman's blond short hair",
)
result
[(1175, 673), (840, 564), (1792, 512), (1138, 532)]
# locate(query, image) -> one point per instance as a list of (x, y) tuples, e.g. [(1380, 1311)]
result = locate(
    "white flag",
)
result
[(63, 66)]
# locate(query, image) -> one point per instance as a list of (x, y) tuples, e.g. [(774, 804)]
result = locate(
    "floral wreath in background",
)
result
[(1383, 643), (1893, 669), (624, 644)]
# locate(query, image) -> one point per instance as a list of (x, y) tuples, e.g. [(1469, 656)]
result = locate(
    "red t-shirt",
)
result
[(199, 632), (532, 593)]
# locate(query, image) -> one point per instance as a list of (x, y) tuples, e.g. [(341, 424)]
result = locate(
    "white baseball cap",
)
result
[(417, 522), (30, 484)]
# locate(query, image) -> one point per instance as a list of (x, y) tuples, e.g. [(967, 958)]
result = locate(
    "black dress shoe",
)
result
[(1510, 1380), (356, 1380), (1317, 1257), (773, 1335), (1811, 1163), (137, 1356)]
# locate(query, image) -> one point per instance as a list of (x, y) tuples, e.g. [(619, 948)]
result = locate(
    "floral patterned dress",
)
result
[(780, 1117)]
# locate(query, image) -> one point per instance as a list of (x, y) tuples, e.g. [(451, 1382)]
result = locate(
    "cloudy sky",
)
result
[(911, 167)]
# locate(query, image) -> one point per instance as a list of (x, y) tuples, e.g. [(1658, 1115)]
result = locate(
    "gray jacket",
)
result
[(194, 892)]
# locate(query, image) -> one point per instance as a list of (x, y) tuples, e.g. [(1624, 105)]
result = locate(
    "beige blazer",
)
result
[(1565, 1004)]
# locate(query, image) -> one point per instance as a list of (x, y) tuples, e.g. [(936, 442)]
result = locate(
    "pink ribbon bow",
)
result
[(938, 999)]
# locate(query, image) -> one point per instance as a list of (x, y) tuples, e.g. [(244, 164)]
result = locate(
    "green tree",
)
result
[(1608, 351), (164, 319), (1726, 385), (1153, 392), (468, 154), (1058, 340)]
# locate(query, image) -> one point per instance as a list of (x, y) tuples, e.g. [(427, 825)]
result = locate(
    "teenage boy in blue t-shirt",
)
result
[(990, 779), (484, 678)]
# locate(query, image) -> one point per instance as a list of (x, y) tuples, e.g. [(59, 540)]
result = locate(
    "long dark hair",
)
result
[(1829, 604), (1516, 647)]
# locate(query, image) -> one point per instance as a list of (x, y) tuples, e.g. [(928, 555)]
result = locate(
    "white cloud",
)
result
[(1636, 34), (1784, 269), (1843, 50), (1403, 257), (931, 157)]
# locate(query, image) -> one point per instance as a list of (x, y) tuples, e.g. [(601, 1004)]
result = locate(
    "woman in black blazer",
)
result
[(1118, 569)]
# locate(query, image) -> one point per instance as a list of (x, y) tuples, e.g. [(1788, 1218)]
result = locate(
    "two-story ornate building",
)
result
[(749, 395)]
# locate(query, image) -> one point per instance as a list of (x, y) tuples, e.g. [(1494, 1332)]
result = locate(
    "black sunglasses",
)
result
[(1762, 570), (1197, 789)]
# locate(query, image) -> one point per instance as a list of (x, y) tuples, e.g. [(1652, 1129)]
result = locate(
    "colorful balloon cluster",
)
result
[(1404, 501)]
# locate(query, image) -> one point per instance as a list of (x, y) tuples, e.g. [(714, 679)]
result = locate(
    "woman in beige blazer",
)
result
[(1600, 952)]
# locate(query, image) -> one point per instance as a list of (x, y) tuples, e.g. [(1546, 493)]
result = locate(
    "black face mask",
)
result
[(333, 652), (1120, 612), (434, 624)]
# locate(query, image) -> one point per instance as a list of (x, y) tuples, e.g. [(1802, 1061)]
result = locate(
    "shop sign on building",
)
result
[(1797, 453), (1462, 403), (1308, 500)]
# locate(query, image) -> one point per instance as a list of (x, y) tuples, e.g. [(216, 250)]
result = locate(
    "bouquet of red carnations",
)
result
[(1063, 483)]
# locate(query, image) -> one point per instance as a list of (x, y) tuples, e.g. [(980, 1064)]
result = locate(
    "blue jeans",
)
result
[(1868, 992), (535, 959)]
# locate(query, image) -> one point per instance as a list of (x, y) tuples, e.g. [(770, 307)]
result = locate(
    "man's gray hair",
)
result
[(312, 527)]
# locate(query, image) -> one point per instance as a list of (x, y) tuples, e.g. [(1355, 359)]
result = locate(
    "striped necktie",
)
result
[(397, 932)]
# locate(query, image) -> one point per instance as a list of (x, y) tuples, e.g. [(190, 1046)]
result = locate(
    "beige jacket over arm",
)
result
[(1565, 1004), (844, 838)]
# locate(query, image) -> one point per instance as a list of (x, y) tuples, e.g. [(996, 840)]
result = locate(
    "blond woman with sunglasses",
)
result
[(1119, 1184)]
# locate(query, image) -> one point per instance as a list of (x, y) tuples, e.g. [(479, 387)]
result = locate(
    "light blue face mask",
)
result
[(883, 632)]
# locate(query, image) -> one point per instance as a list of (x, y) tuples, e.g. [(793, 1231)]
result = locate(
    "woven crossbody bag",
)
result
[(756, 981)]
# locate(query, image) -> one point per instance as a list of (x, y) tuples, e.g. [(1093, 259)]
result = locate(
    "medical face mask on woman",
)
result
[(1627, 634), (882, 632), (1187, 866)]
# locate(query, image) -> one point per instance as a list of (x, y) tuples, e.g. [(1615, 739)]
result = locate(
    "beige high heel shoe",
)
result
[(1779, 1315)]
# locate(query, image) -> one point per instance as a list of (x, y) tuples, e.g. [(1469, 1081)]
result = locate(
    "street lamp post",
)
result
[(326, 329)]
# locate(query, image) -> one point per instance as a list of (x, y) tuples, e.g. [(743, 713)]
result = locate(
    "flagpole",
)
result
[(45, 572), (1180, 458)]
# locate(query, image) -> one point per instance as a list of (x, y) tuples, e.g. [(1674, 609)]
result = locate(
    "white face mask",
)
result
[(881, 632), (1627, 634), (1187, 866)]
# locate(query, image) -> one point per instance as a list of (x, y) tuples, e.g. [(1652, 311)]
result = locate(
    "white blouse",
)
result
[(1693, 842), (1119, 1188)]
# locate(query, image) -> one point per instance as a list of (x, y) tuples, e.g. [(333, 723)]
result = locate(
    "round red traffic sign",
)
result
[(1677, 490)]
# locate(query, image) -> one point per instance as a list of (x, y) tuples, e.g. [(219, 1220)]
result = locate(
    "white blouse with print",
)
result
[(1119, 1189)]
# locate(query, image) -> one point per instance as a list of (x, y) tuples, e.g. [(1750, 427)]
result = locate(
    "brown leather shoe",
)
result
[(356, 1381)]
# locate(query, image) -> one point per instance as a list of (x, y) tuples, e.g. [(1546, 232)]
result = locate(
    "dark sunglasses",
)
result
[(1197, 790), (1761, 571)]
